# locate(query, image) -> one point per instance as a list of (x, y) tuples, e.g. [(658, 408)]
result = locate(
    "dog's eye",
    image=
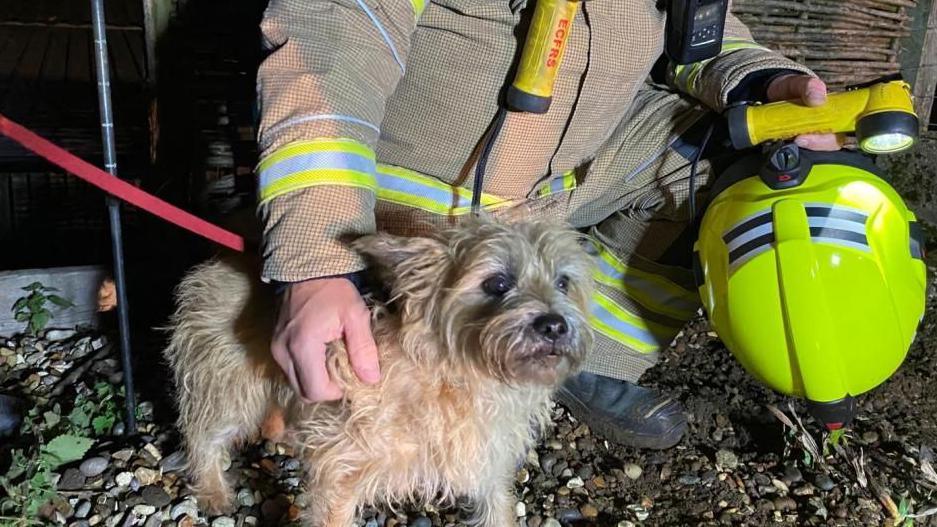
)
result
[(498, 285), (562, 283)]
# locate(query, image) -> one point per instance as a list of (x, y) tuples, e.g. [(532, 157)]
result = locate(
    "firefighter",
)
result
[(371, 117)]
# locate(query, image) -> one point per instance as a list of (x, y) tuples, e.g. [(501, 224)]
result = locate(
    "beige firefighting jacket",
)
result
[(365, 102)]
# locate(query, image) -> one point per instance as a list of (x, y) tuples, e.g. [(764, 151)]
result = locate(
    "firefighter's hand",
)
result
[(812, 91), (311, 315)]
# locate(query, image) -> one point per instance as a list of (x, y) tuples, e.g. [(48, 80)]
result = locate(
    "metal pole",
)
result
[(113, 206)]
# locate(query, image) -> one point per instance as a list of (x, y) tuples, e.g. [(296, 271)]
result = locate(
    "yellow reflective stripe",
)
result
[(686, 75), (348, 146), (418, 7), (615, 322), (423, 179), (413, 189), (318, 177), (562, 184), (660, 283)]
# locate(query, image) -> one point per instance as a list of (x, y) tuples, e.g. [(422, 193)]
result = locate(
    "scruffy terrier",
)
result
[(479, 327)]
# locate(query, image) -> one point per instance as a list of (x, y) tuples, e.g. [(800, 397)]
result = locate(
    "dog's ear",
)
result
[(390, 252), (411, 267)]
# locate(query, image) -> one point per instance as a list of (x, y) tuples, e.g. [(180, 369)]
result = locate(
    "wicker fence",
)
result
[(843, 41)]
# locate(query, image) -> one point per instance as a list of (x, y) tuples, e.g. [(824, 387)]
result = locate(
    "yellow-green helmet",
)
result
[(811, 271)]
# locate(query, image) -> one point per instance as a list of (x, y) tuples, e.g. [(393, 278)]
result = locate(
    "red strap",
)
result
[(118, 187)]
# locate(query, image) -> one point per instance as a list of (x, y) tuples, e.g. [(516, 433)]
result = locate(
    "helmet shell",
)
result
[(817, 289)]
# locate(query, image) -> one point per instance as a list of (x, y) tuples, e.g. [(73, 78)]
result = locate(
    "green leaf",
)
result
[(51, 419), (903, 506), (79, 418), (103, 389), (19, 304), (39, 320), (65, 449), (59, 301), (35, 302), (35, 286), (102, 424), (22, 316)]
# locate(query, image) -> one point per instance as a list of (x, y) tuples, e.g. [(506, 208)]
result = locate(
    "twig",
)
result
[(78, 371)]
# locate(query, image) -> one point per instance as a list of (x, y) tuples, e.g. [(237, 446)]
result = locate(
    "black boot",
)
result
[(623, 412), (11, 415)]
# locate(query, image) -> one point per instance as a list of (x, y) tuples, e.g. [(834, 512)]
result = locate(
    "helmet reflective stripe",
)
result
[(838, 225), (749, 238)]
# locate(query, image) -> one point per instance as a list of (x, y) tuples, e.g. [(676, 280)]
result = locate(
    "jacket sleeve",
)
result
[(322, 88), (715, 81)]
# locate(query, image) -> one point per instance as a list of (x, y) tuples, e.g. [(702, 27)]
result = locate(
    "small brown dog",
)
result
[(481, 325)]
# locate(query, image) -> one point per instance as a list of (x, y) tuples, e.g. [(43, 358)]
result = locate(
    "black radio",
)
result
[(694, 29)]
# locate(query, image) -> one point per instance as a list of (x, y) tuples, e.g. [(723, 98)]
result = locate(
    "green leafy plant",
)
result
[(54, 438), (32, 309)]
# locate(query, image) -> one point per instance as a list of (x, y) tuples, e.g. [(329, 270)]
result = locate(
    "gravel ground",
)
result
[(739, 464)]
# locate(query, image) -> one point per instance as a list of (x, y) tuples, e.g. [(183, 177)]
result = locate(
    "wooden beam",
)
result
[(77, 284), (925, 85), (156, 15), (918, 56)]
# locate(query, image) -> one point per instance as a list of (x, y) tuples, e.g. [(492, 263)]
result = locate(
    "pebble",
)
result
[(186, 521), (553, 444), (123, 479), (422, 521), (146, 476), (72, 479), (633, 471), (625, 523), (792, 475), (291, 464), (568, 515), (186, 507), (785, 504), (155, 496), (589, 511), (823, 482), (727, 459), (153, 452), (155, 520), (520, 509), (173, 462), (94, 466), (688, 479), (123, 455), (806, 490), (870, 437), (143, 510), (522, 476), (548, 462), (82, 509), (575, 483), (245, 498), (55, 335), (223, 521)]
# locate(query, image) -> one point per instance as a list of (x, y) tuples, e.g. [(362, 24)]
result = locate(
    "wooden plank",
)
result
[(10, 56), (56, 63), (31, 63), (123, 66), (925, 85), (137, 45), (78, 284), (79, 56)]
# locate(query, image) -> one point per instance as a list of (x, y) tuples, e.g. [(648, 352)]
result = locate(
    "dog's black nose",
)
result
[(551, 326)]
